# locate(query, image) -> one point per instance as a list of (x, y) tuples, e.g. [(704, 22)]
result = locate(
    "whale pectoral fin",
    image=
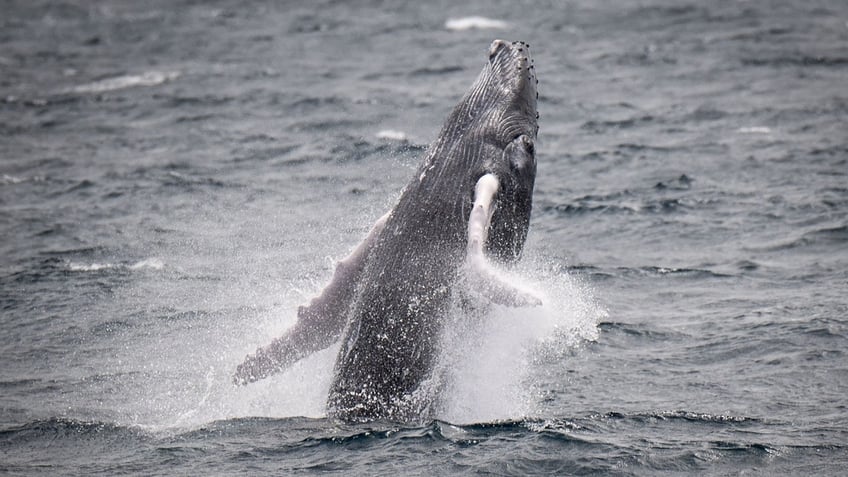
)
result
[(319, 324), (482, 276)]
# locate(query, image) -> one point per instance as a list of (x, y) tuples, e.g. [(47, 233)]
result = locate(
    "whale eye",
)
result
[(528, 145), (521, 154)]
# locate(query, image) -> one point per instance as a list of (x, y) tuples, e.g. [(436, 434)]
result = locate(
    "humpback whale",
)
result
[(466, 209)]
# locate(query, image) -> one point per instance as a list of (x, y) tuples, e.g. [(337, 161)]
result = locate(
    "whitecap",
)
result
[(89, 267), (148, 78), (755, 130), (7, 179), (468, 23), (152, 263), (392, 135)]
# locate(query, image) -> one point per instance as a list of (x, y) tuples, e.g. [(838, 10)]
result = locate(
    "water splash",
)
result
[(489, 358), (173, 365)]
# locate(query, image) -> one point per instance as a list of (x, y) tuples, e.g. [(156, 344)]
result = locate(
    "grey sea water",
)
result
[(176, 177)]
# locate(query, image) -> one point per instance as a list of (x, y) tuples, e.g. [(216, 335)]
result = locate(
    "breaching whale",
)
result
[(468, 205)]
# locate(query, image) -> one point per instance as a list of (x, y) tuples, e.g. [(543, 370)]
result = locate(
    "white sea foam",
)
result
[(475, 22), (151, 263), (7, 179), (89, 267), (392, 135), (754, 130), (148, 78)]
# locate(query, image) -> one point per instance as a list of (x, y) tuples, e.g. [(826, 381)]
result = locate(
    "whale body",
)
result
[(467, 206)]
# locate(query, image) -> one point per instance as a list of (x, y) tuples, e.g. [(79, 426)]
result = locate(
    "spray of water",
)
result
[(164, 354), (180, 376), (488, 355)]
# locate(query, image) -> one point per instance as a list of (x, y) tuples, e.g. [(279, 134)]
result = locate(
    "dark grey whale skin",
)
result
[(389, 298)]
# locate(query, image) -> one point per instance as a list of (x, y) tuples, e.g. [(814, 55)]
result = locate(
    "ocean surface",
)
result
[(177, 176)]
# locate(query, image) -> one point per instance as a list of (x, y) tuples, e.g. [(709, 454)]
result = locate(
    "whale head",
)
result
[(513, 128), (508, 83), (503, 129), (492, 130), (501, 104)]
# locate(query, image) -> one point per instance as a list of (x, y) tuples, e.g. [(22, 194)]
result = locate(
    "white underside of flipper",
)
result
[(482, 276)]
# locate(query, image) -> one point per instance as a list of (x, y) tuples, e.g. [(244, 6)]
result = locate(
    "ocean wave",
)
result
[(797, 60), (357, 148), (627, 150), (149, 263), (312, 103), (579, 434), (638, 331), (148, 78), (589, 206), (653, 271), (825, 236), (90, 267), (682, 441), (683, 415), (7, 179), (475, 22), (661, 271), (261, 154), (838, 151), (600, 422), (601, 126), (152, 263), (392, 135), (174, 178), (683, 182), (63, 427), (109, 328), (754, 130), (325, 430), (593, 272), (435, 70)]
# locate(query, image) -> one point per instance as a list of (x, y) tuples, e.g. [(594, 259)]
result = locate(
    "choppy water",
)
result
[(177, 177)]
